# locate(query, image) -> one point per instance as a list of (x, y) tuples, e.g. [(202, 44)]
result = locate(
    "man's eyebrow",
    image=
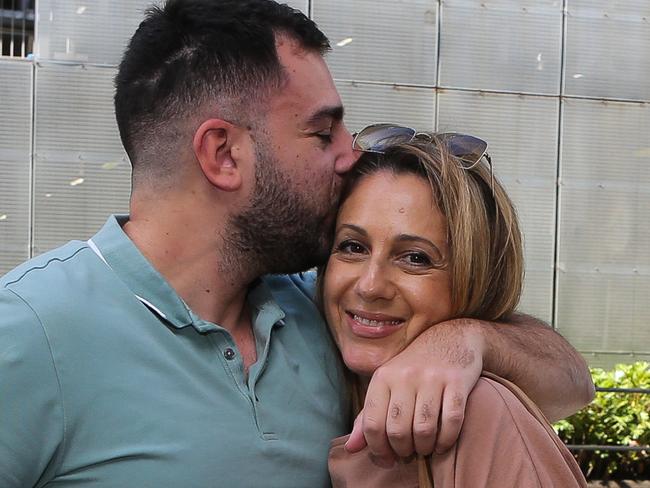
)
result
[(334, 112)]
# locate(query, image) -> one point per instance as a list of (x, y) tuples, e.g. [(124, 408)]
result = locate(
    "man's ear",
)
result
[(212, 145)]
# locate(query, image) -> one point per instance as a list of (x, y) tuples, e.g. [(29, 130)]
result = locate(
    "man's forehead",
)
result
[(308, 84)]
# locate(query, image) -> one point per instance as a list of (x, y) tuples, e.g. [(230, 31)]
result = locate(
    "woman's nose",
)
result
[(374, 283)]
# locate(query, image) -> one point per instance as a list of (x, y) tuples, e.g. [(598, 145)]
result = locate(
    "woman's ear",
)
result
[(212, 144)]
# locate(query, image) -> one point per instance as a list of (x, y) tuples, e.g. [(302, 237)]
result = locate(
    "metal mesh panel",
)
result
[(15, 141), (366, 104), (381, 41), (524, 161), (90, 32), (604, 280), (302, 5), (501, 45), (608, 49), (81, 173)]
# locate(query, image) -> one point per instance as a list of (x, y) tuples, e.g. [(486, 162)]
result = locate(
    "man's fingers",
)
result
[(375, 411), (451, 419), (356, 441), (425, 422), (399, 421)]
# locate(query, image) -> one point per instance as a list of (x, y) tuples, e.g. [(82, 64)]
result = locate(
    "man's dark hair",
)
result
[(189, 52)]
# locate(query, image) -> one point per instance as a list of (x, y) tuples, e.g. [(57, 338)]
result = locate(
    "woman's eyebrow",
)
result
[(355, 228), (411, 238)]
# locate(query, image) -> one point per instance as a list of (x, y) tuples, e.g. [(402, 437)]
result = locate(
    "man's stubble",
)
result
[(282, 230)]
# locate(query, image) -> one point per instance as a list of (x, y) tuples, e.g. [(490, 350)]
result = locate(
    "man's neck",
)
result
[(187, 255)]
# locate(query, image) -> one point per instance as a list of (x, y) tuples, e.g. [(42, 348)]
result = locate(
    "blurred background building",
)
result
[(559, 88)]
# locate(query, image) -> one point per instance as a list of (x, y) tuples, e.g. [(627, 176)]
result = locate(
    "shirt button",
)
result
[(229, 354)]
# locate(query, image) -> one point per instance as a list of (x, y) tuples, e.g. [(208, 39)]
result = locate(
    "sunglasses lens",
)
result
[(378, 137), (468, 149)]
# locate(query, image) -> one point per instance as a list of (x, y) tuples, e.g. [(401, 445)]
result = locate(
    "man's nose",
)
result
[(348, 157)]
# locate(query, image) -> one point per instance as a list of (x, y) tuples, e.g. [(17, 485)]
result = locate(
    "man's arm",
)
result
[(541, 362), (417, 400)]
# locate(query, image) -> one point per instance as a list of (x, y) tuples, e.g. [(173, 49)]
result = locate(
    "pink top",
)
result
[(505, 442)]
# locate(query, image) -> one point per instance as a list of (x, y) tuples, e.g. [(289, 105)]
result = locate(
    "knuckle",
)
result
[(455, 377), (382, 374), (431, 375), (458, 401), (455, 416), (425, 414), (395, 410), (396, 435), (425, 430), (399, 375), (372, 426)]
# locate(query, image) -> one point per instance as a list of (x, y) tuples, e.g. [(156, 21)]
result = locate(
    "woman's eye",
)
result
[(418, 259), (350, 247)]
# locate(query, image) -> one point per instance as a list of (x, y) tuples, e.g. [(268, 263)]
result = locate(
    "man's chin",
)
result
[(308, 257), (302, 263)]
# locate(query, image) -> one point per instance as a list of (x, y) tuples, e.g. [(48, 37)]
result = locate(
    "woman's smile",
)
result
[(372, 325)]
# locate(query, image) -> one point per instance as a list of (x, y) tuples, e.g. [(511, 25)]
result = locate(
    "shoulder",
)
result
[(37, 270), (54, 281), (28, 292)]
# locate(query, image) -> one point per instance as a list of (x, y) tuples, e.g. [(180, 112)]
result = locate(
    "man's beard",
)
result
[(281, 230)]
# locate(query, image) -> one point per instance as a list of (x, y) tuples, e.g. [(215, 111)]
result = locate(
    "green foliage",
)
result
[(613, 419)]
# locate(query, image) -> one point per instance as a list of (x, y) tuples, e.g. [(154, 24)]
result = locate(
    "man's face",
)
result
[(302, 149)]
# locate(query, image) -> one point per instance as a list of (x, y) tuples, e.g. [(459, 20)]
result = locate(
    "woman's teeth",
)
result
[(375, 323)]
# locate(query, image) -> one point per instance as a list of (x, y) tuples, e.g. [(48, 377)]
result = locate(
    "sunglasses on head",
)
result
[(377, 138)]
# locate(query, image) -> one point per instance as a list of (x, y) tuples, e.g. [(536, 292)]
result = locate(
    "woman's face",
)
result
[(386, 279)]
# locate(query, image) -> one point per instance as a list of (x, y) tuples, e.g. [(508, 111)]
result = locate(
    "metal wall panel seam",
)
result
[(56, 62), (619, 353), (490, 91), (32, 102), (436, 111), (558, 173)]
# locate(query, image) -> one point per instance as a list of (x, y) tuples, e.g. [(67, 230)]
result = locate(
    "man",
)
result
[(159, 353)]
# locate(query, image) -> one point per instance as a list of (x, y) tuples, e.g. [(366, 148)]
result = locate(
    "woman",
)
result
[(425, 234)]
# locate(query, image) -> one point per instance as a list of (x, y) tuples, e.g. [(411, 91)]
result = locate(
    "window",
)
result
[(16, 28)]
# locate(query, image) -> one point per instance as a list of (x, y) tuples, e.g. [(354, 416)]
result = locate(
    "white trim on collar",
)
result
[(149, 305)]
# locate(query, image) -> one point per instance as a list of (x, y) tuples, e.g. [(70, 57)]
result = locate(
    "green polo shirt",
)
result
[(107, 379)]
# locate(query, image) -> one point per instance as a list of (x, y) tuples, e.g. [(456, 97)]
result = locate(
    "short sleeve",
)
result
[(31, 414)]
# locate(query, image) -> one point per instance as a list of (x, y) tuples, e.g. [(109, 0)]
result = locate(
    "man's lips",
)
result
[(372, 325)]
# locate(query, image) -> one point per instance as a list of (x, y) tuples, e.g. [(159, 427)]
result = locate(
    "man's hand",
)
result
[(417, 400)]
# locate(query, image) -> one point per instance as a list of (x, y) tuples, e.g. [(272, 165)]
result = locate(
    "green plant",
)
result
[(613, 419)]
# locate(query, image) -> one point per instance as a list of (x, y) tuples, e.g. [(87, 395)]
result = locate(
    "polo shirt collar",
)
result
[(119, 253), (127, 262)]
